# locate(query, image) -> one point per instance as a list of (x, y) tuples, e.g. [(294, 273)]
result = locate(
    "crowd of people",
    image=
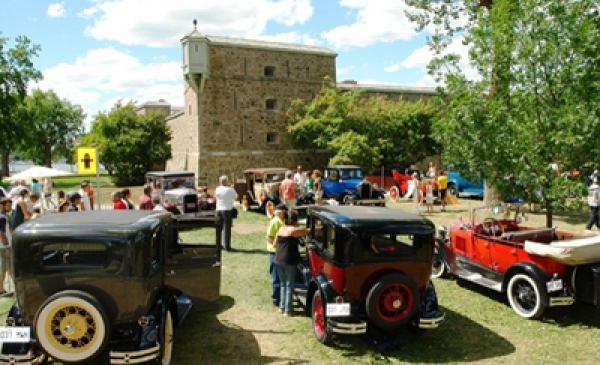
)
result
[(427, 195), (299, 183)]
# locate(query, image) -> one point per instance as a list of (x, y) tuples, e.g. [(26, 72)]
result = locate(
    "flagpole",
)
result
[(98, 206)]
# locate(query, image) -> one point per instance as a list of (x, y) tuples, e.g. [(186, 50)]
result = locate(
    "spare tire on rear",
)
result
[(72, 327), (393, 301)]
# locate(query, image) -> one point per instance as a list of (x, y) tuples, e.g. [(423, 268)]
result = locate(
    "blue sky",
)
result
[(95, 52)]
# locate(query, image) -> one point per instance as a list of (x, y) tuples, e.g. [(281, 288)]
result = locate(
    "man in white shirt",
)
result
[(225, 196), (300, 181), (593, 199), (85, 198)]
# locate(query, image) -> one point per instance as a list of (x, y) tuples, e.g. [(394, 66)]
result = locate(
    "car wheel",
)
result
[(166, 340), (346, 199), (270, 209), (245, 203), (393, 301), (319, 320), (72, 327), (394, 193), (452, 190), (524, 296), (438, 267)]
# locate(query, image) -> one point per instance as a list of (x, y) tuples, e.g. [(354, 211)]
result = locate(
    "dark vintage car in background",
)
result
[(347, 185), (367, 266), (120, 281), (536, 267)]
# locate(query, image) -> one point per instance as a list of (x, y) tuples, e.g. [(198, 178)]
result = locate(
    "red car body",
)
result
[(402, 181)]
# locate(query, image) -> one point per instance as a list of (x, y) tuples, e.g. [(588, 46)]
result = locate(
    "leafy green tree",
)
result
[(536, 103), (16, 70), (54, 126), (129, 143), (366, 131)]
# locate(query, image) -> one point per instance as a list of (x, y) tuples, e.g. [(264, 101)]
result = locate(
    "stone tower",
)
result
[(236, 94)]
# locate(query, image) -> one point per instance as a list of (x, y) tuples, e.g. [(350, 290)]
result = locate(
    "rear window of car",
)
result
[(393, 244)]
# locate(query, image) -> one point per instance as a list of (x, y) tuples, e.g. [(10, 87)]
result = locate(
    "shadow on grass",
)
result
[(578, 314), (207, 340), (458, 339)]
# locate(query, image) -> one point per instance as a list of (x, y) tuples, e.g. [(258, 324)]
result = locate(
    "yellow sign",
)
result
[(86, 160)]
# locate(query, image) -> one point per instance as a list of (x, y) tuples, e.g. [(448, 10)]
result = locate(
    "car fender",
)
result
[(167, 301), (321, 283), (535, 272)]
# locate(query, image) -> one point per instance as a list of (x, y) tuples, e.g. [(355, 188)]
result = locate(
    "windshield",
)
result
[(351, 174), (274, 177)]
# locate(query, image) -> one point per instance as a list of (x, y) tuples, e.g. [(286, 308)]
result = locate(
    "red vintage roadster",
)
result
[(536, 267), (404, 185)]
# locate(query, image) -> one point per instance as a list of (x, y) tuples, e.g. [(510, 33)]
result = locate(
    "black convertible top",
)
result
[(368, 215)]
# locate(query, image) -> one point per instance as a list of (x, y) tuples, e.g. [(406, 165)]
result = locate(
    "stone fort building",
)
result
[(236, 94)]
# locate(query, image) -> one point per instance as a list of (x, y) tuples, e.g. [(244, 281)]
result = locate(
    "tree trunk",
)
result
[(548, 214), (48, 156), (490, 195), (5, 168)]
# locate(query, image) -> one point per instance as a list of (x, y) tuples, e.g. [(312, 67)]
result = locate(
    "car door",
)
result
[(193, 259), (331, 185)]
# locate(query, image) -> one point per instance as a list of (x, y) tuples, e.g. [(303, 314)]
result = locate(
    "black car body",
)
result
[(86, 281), (367, 266)]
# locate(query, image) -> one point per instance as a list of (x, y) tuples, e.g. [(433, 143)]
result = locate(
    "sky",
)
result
[(95, 52)]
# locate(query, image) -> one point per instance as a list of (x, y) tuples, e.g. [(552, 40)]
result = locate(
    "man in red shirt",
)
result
[(118, 201), (146, 199), (287, 190)]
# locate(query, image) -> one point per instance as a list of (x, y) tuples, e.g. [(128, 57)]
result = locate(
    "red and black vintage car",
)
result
[(367, 266)]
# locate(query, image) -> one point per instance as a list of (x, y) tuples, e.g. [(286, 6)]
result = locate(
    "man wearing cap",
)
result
[(274, 225), (85, 198)]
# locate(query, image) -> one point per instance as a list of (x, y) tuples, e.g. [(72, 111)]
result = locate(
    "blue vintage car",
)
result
[(347, 185), (459, 186)]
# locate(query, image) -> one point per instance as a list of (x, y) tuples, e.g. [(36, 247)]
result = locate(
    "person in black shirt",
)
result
[(287, 257)]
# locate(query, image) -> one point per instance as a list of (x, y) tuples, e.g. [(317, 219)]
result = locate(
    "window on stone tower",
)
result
[(272, 137), (270, 71), (271, 104)]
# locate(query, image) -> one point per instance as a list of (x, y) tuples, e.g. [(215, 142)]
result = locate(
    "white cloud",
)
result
[(56, 10), (392, 68), (108, 73), (420, 58), (344, 70), (376, 21), (291, 37), (158, 23)]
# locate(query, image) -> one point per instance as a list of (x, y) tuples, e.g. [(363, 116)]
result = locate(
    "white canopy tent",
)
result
[(37, 172)]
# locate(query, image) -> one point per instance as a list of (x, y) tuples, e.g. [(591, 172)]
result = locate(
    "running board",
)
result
[(480, 280)]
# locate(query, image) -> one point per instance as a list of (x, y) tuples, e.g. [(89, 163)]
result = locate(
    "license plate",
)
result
[(554, 285), (338, 310), (14, 334)]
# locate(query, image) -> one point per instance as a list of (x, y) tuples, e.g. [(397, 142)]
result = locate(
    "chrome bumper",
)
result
[(25, 359), (134, 357), (345, 328), (431, 323), (562, 301), (369, 201)]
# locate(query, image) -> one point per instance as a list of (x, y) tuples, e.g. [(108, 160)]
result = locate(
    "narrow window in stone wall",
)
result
[(308, 72), (287, 65), (271, 104), (272, 137), (242, 134), (234, 100), (270, 71), (245, 66)]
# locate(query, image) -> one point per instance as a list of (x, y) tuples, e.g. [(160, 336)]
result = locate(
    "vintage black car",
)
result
[(367, 266), (116, 281)]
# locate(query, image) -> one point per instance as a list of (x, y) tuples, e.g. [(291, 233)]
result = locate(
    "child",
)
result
[(429, 196), (416, 195)]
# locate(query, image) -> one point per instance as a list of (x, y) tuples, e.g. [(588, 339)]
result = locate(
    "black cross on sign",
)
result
[(87, 161)]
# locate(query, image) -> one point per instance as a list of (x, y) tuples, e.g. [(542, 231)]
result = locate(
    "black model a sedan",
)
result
[(120, 281), (367, 266)]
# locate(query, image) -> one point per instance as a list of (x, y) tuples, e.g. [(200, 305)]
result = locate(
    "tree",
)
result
[(129, 143), (16, 70), (536, 103), (366, 131), (55, 126)]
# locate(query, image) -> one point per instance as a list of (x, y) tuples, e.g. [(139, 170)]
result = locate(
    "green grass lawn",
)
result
[(480, 327)]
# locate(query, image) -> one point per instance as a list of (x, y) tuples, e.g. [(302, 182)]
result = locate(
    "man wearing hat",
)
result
[(274, 225), (85, 197)]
